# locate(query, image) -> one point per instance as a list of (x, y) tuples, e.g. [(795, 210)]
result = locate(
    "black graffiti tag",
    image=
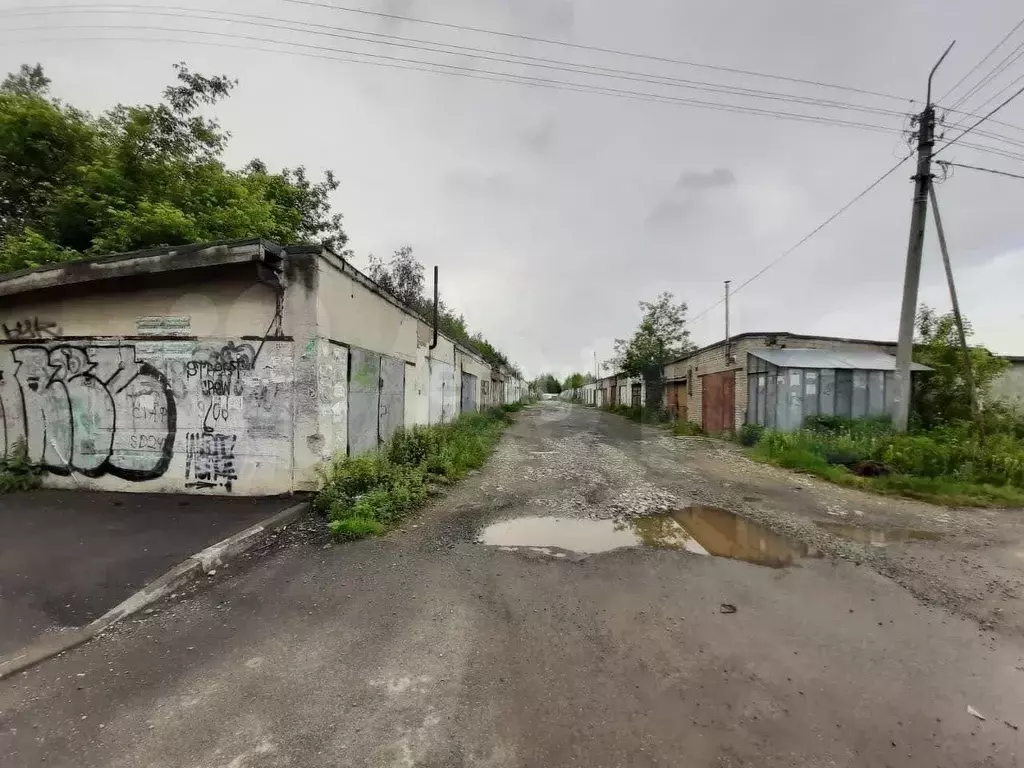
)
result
[(210, 460)]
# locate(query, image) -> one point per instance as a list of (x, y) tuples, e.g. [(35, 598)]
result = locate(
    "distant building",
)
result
[(778, 379), (1009, 387)]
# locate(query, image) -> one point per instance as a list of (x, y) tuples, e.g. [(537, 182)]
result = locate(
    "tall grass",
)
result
[(17, 473), (951, 464), (365, 495)]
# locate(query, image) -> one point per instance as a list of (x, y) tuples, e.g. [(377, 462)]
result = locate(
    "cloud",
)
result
[(667, 214), (719, 177)]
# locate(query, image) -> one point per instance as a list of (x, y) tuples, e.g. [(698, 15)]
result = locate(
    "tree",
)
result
[(549, 384), (404, 278), (72, 184), (942, 396), (661, 337), (574, 381)]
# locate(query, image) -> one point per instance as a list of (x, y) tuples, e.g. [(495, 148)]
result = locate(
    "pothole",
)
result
[(876, 537), (697, 529)]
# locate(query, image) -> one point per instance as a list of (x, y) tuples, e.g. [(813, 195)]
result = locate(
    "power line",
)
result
[(985, 58), (1006, 62), (594, 48), (808, 236), (437, 47), (979, 168), (982, 120), (441, 68), (434, 46)]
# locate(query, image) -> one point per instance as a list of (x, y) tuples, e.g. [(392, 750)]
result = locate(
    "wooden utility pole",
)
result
[(912, 275)]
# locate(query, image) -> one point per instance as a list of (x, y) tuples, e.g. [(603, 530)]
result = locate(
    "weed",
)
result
[(750, 434), (949, 465), (17, 473), (686, 429), (365, 495)]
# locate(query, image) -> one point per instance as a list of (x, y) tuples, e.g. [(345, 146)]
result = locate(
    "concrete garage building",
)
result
[(231, 367), (724, 385)]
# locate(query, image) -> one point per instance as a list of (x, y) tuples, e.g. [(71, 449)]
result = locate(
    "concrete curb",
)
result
[(192, 568)]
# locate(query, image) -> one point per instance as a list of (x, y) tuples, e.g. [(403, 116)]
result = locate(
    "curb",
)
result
[(200, 563)]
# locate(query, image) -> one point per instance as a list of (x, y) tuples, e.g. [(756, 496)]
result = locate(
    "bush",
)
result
[(17, 473), (686, 429), (364, 495), (750, 434)]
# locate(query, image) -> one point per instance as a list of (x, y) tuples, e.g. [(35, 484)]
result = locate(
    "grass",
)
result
[(947, 466), (366, 495), (657, 416), (17, 473)]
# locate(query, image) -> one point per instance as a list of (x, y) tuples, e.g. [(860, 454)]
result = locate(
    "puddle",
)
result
[(876, 537), (700, 530)]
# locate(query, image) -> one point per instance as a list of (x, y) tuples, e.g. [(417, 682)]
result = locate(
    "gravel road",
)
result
[(427, 648)]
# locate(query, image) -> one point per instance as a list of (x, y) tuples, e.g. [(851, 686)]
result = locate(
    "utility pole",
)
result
[(968, 369), (912, 276)]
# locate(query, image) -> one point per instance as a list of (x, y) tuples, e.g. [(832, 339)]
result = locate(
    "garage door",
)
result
[(718, 401)]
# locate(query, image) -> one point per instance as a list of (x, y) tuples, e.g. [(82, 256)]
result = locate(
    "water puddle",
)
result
[(876, 537), (697, 529)]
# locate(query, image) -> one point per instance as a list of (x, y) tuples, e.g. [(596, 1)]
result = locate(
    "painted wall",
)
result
[(210, 415)]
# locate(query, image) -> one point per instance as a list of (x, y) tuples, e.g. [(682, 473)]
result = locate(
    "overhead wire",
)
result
[(434, 46), (979, 168), (860, 195), (952, 141), (983, 59), (471, 72), (593, 48), (1001, 67)]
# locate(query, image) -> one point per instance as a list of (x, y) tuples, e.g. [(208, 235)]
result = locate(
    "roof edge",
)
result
[(787, 334)]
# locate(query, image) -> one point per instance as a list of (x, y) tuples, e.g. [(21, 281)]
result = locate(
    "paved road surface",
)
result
[(427, 649)]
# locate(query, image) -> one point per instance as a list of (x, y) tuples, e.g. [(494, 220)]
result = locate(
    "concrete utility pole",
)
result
[(968, 369), (912, 276), (728, 345)]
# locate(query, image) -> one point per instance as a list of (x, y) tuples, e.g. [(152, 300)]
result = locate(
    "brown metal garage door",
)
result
[(675, 399), (718, 401)]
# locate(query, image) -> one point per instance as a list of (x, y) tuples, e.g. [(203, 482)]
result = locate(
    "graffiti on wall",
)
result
[(30, 328), (89, 409), (199, 415), (210, 460)]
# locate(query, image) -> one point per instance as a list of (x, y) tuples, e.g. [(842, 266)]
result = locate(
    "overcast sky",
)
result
[(551, 213)]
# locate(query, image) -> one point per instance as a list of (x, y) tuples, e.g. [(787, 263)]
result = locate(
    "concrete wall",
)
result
[(713, 360), (221, 379)]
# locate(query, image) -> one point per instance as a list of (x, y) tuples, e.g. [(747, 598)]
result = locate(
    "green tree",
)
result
[(942, 396), (73, 184), (574, 381), (548, 384), (661, 337), (403, 276)]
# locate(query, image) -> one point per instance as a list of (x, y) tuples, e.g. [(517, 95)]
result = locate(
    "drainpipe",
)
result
[(434, 342), (728, 341)]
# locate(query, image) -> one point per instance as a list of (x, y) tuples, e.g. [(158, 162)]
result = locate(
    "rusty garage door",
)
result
[(675, 399), (718, 401)]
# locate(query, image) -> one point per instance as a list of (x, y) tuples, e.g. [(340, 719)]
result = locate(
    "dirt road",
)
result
[(697, 638)]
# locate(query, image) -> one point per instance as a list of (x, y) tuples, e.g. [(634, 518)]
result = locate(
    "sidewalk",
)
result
[(66, 557)]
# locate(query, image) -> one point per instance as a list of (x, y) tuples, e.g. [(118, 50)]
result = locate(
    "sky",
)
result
[(552, 212)]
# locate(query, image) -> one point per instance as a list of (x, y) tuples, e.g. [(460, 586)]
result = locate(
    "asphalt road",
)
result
[(425, 648)]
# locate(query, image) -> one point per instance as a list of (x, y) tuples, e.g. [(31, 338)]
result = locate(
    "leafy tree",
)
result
[(404, 278), (661, 337), (72, 184), (549, 384), (574, 381), (942, 396)]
